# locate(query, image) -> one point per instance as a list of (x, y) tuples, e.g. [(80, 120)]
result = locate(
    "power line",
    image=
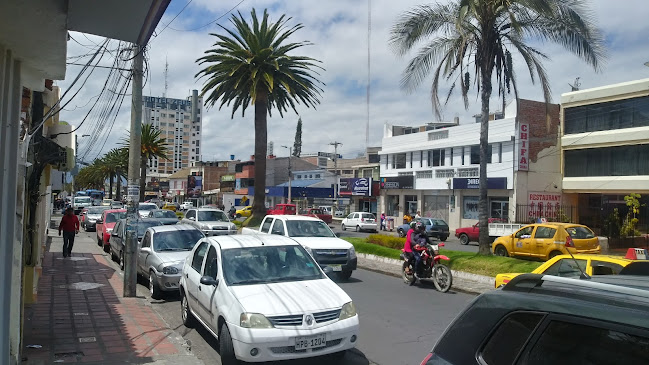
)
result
[(172, 20), (210, 23)]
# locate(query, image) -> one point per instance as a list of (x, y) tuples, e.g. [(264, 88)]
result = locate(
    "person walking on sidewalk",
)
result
[(70, 226)]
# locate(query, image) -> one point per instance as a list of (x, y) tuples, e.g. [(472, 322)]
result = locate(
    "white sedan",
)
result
[(360, 221), (265, 299)]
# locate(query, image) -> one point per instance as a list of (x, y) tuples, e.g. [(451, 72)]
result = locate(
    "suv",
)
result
[(544, 319)]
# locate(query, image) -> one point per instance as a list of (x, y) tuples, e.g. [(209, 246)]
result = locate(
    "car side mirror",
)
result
[(145, 249), (208, 280), (191, 218)]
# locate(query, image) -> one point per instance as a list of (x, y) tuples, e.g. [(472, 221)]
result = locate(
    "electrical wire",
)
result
[(210, 23), (174, 18)]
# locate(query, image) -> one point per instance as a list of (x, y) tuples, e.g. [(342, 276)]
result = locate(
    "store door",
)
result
[(436, 206)]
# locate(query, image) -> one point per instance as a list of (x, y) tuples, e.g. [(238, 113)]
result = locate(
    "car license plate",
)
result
[(336, 267), (310, 342)]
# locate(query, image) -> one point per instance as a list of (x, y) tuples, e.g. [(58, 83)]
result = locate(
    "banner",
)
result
[(194, 186), (474, 183), (355, 186), (398, 182)]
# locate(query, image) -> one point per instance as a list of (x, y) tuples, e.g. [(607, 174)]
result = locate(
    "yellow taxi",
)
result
[(170, 206), (244, 212), (566, 266), (546, 240)]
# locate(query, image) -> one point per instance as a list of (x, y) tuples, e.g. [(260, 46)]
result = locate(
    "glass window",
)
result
[(278, 227), (191, 214), (567, 268), (475, 155), (470, 207), (509, 338), (544, 232), (164, 214), (580, 232), (114, 217), (211, 264), (199, 254), (436, 157), (525, 232), (392, 205), (266, 226), (609, 161), (399, 161), (212, 216), (308, 228), (595, 345), (176, 240), (499, 209), (618, 114), (451, 156), (146, 240), (605, 268)]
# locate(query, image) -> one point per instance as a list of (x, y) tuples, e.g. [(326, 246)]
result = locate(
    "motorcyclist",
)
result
[(407, 246), (418, 242)]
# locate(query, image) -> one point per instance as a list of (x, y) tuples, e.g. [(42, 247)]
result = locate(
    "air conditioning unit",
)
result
[(67, 156)]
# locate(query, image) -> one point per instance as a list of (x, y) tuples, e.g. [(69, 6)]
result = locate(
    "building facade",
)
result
[(605, 149), (180, 124)]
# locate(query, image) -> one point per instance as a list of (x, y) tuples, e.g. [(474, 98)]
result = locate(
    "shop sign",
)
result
[(543, 204), (355, 186), (226, 178), (474, 183), (523, 147), (398, 182)]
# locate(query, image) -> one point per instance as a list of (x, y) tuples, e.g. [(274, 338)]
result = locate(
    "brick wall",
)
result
[(542, 133)]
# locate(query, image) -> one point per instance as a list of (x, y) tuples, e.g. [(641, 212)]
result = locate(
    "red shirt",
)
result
[(69, 223), (407, 247)]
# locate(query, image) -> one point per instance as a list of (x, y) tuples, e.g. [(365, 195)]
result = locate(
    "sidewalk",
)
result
[(81, 316)]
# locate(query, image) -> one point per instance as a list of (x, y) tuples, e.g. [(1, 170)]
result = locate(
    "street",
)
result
[(399, 323)]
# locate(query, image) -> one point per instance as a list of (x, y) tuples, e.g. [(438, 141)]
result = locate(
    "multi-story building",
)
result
[(605, 149), (180, 125), (435, 170)]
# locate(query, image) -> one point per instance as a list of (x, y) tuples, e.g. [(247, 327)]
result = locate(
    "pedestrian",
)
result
[(418, 215), (383, 221), (70, 226)]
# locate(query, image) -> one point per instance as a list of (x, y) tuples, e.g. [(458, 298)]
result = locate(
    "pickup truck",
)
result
[(282, 209), (318, 213), (316, 237), (496, 229)]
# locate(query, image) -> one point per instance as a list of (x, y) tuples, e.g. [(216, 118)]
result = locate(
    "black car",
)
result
[(435, 227), (164, 215), (544, 319), (118, 236)]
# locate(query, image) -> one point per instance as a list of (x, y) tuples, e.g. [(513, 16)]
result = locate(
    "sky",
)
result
[(338, 30)]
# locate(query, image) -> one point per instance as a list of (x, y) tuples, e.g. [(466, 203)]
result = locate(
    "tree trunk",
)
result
[(261, 139), (483, 209), (118, 193), (143, 167), (110, 186)]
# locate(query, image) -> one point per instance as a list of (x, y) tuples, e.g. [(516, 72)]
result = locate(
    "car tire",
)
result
[(358, 228), (186, 313), (113, 256), (121, 260), (106, 248), (464, 239), (154, 289), (345, 275), (401, 233), (443, 238), (226, 349), (500, 250), (343, 227)]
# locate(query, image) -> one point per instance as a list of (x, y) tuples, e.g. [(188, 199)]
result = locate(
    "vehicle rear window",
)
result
[(576, 343), (578, 232), (509, 338), (368, 216), (438, 222), (114, 217)]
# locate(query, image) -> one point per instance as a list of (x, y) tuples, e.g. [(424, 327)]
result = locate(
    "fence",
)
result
[(551, 212)]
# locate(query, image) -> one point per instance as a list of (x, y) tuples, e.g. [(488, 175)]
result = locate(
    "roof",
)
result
[(598, 257), (173, 227), (301, 183), (290, 217), (206, 209), (181, 174), (253, 240)]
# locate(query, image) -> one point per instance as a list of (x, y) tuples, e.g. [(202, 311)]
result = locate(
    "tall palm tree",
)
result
[(475, 38), (115, 162), (90, 177), (251, 65), (152, 146)]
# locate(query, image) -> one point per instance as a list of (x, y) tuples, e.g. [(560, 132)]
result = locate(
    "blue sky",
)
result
[(339, 31)]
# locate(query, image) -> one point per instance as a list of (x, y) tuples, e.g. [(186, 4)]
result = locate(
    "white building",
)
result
[(436, 171), (180, 124)]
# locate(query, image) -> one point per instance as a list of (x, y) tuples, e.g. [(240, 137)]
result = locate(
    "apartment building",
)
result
[(434, 169), (180, 125), (605, 149)]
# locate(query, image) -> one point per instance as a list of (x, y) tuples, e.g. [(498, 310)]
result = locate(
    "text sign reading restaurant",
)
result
[(524, 147), (474, 183)]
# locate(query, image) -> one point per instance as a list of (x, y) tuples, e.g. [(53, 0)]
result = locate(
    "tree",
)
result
[(251, 65), (116, 162), (474, 38), (152, 146), (297, 145)]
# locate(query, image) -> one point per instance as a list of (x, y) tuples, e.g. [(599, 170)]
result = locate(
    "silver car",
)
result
[(161, 254), (92, 215), (212, 222)]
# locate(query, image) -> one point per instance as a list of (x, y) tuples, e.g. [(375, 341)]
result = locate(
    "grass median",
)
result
[(460, 260)]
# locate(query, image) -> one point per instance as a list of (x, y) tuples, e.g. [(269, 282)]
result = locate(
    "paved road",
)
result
[(399, 324)]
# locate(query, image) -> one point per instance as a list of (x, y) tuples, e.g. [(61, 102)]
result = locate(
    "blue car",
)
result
[(435, 227)]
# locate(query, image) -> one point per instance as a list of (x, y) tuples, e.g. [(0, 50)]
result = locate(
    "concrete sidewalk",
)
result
[(81, 316)]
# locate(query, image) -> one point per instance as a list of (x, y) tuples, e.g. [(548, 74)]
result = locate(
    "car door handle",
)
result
[(199, 288)]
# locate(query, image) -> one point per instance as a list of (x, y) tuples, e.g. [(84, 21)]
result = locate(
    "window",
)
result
[(609, 161), (605, 268), (463, 155), (211, 264), (399, 161), (500, 153), (199, 254), (525, 232), (412, 155), (499, 209), (611, 115), (451, 150), (266, 226), (191, 213), (436, 157), (544, 232), (198, 143), (278, 227), (595, 345), (509, 338)]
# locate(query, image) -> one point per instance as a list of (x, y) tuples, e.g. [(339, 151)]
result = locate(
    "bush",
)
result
[(180, 215), (386, 241)]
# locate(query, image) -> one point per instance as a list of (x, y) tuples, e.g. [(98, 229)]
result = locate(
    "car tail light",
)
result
[(569, 242), (362, 219), (425, 360)]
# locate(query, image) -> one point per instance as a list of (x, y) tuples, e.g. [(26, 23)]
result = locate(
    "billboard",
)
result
[(398, 182), (355, 186), (194, 186)]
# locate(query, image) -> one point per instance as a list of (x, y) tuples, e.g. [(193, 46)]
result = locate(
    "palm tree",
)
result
[(152, 146), (478, 37), (90, 177), (115, 163), (253, 66)]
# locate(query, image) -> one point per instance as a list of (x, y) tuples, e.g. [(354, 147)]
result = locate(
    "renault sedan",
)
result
[(265, 299)]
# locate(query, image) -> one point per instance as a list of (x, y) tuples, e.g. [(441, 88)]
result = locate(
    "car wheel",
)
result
[(185, 312), (226, 349), (343, 227), (121, 260), (155, 291), (464, 239), (345, 275), (553, 254), (401, 233), (443, 238), (358, 228), (500, 250), (113, 256), (238, 215)]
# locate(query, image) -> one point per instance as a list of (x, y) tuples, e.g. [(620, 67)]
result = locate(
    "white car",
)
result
[(360, 221), (212, 222), (144, 209), (265, 299), (186, 205)]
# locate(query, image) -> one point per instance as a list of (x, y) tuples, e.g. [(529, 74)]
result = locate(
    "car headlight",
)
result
[(352, 253), (348, 311), (254, 320), (170, 270), (233, 227)]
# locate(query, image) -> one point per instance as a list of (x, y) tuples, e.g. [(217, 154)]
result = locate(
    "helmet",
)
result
[(412, 225), (420, 227)]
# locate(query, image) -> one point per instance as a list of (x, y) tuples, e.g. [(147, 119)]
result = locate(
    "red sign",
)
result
[(543, 204), (523, 147)]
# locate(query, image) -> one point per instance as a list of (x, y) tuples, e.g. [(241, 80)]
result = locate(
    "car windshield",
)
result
[(114, 217), (268, 264), (164, 214), (176, 240), (96, 210), (143, 225), (147, 207), (82, 200), (579, 232), (212, 216), (308, 228), (438, 222)]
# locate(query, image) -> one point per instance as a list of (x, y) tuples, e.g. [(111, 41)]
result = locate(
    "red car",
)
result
[(472, 234), (318, 213), (105, 226), (283, 209)]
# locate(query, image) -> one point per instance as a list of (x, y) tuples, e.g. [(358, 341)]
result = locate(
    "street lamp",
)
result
[(290, 153)]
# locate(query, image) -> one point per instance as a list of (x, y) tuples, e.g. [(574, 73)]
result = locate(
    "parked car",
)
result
[(90, 217), (265, 299), (117, 205), (106, 202), (318, 213), (435, 227), (165, 216), (162, 252), (118, 236), (82, 217), (361, 221), (105, 226), (544, 319), (472, 234), (143, 209), (210, 221), (186, 205), (244, 212), (80, 202), (567, 266), (171, 206), (339, 212), (547, 240), (280, 209)]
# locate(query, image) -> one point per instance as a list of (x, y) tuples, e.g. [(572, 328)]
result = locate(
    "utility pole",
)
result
[(134, 159), (290, 172), (335, 144)]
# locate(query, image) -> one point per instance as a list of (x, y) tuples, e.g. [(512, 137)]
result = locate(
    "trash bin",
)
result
[(390, 224)]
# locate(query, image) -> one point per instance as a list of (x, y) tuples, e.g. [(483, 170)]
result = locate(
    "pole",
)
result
[(335, 144), (134, 159), (290, 153)]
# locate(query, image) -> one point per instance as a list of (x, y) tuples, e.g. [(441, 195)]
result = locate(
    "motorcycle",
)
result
[(431, 268)]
